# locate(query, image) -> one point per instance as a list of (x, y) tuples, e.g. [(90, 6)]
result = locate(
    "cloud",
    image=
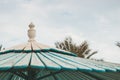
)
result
[(91, 20)]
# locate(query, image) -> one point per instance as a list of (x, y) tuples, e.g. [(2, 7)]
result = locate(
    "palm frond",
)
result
[(118, 44), (82, 50), (93, 53)]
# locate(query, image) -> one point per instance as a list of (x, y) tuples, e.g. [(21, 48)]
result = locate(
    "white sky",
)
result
[(97, 21)]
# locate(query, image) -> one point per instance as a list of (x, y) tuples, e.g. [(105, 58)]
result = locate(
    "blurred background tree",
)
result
[(118, 44), (82, 50), (0, 47)]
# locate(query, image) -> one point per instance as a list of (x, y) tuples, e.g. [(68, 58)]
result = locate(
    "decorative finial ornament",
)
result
[(31, 32), (31, 25)]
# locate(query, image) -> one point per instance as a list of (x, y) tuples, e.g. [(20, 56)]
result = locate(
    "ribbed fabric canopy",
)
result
[(35, 61)]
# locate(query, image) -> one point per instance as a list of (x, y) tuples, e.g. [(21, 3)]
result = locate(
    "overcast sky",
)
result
[(97, 21)]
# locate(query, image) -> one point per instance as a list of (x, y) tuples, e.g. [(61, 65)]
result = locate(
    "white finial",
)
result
[(31, 25), (31, 32)]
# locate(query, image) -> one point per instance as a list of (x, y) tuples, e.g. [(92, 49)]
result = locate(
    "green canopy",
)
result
[(35, 61)]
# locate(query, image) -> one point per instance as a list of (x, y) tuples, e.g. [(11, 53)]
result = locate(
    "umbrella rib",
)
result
[(97, 77), (20, 74), (93, 76), (4, 75), (11, 77), (55, 78), (49, 75), (30, 77)]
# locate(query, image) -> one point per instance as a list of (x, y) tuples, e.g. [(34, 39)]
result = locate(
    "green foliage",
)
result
[(118, 44), (0, 47), (82, 50)]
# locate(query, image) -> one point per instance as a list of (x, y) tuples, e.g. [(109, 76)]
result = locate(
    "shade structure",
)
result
[(35, 61)]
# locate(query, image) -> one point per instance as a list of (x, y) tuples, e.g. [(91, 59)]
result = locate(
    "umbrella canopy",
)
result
[(35, 61)]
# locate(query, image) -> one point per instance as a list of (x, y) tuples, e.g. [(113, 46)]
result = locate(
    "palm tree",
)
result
[(0, 47), (82, 50), (118, 44)]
